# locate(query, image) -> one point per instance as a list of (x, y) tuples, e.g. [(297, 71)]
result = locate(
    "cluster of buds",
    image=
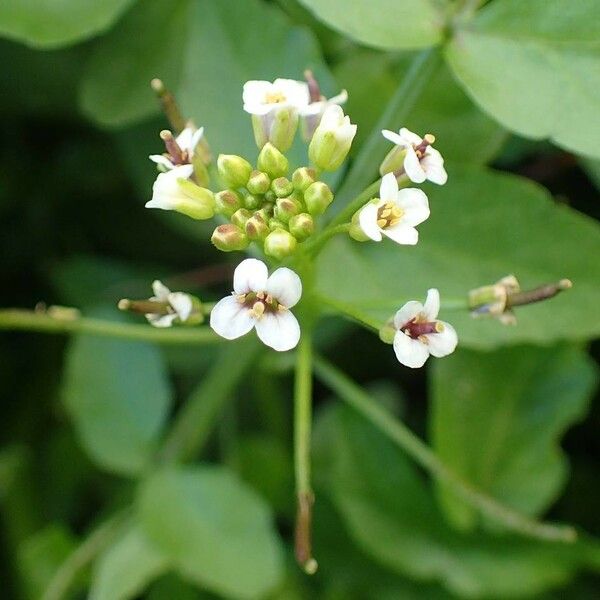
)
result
[(267, 205)]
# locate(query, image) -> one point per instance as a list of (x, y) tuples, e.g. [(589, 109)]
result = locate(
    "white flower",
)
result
[(178, 304), (262, 302), (421, 160), (332, 139), (313, 113), (262, 97), (187, 141), (173, 191), (419, 333), (395, 213)]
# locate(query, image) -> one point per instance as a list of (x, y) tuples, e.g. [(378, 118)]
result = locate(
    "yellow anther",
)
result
[(258, 309), (274, 98), (439, 326), (429, 138), (385, 213), (394, 222), (382, 223)]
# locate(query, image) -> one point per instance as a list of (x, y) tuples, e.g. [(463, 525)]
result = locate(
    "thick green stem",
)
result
[(26, 320), (302, 437), (315, 245), (353, 395), (196, 419), (398, 109)]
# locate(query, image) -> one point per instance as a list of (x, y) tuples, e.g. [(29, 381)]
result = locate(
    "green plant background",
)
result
[(166, 470)]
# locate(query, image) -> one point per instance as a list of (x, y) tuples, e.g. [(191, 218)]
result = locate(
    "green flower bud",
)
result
[(201, 175), (252, 202), (332, 139), (282, 187), (195, 201), (280, 243), (229, 237), (318, 197), (285, 209), (394, 161), (234, 170), (303, 177), (356, 232), (276, 224), (258, 183), (239, 217), (256, 227), (272, 161), (277, 127), (227, 202), (301, 226)]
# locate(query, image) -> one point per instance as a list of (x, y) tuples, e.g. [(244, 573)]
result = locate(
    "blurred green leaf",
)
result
[(42, 554), (204, 51), (550, 89), (125, 569), (390, 24), (392, 516), (213, 528), (497, 420), (118, 396), (443, 107), (483, 225), (49, 24), (172, 587)]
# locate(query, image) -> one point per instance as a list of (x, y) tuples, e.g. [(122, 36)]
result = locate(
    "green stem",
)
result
[(398, 109), (195, 421), (302, 436), (353, 395), (348, 212), (82, 556), (315, 245), (26, 320), (350, 312)]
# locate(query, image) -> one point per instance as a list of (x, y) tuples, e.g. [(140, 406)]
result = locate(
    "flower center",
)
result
[(259, 303), (417, 327), (276, 97), (427, 140), (389, 215)]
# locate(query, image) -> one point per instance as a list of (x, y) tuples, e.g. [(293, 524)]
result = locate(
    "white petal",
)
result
[(231, 319), (410, 137), (414, 205), (197, 137), (413, 167), (432, 304), (250, 276), (280, 331), (433, 163), (161, 320), (296, 92), (442, 343), (402, 234), (160, 290), (333, 117), (254, 92), (393, 137), (184, 139), (182, 304), (411, 353), (406, 313), (285, 286), (161, 159), (367, 219), (339, 99), (388, 191)]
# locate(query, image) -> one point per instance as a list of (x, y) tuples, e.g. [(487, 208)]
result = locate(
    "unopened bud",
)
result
[(195, 201), (234, 170), (318, 197), (277, 127), (229, 237), (302, 226), (285, 209), (272, 161), (394, 161), (252, 202), (332, 139), (282, 187), (227, 202), (276, 224), (240, 216), (355, 231), (303, 177), (256, 227), (279, 244), (258, 183)]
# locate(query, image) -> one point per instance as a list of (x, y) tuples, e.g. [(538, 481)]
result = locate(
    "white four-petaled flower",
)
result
[(179, 306), (421, 160), (187, 141), (261, 302), (395, 213), (419, 333)]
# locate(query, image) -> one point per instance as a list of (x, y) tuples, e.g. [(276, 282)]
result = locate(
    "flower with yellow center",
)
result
[(395, 214)]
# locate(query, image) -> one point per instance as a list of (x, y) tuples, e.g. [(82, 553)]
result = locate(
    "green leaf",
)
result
[(392, 516), (535, 67), (125, 569), (118, 396), (204, 51), (49, 24), (214, 529), (502, 432), (483, 225), (388, 24)]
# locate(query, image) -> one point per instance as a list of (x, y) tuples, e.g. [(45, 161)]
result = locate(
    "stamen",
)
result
[(314, 90), (177, 155), (258, 309), (417, 329)]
